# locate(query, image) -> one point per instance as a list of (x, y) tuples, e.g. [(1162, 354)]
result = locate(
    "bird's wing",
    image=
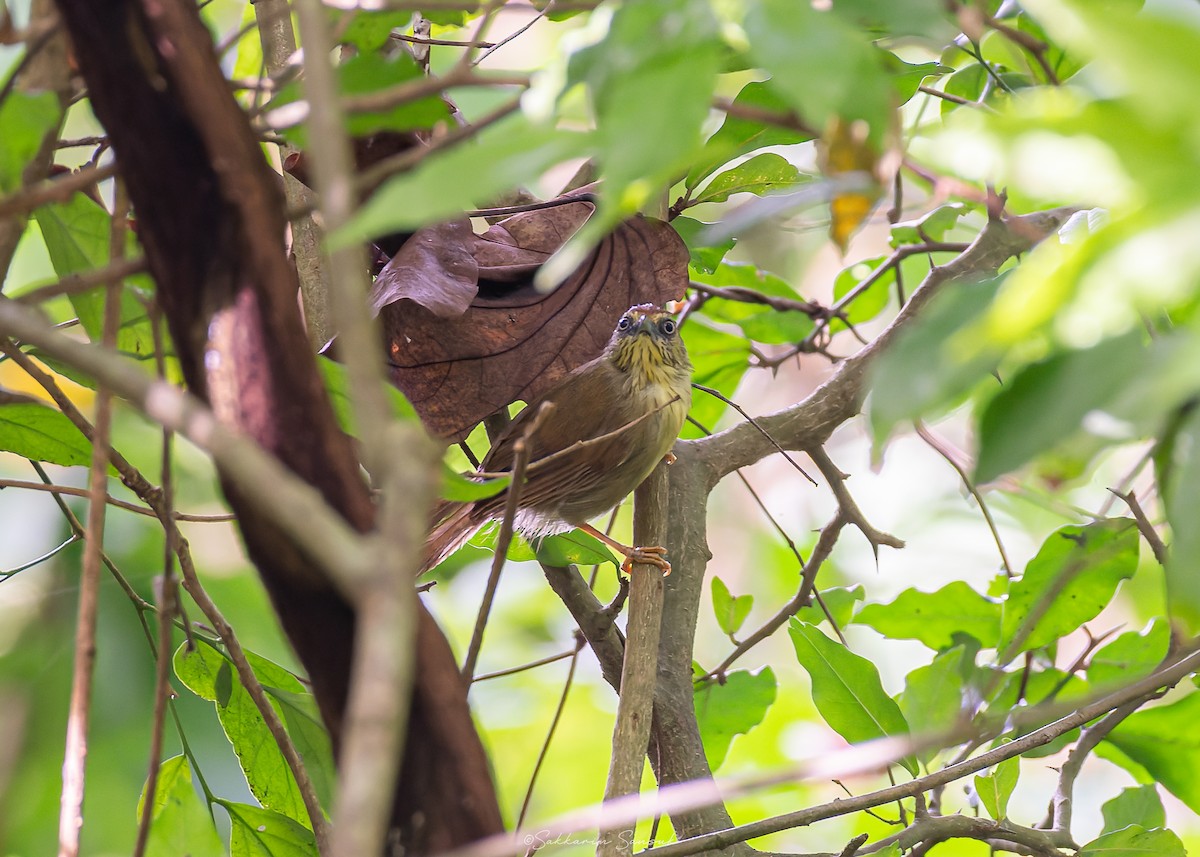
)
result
[(588, 403)]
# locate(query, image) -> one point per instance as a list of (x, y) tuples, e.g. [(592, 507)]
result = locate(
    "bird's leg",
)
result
[(650, 555)]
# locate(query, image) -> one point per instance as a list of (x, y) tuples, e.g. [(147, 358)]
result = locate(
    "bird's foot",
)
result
[(651, 555), (654, 555)]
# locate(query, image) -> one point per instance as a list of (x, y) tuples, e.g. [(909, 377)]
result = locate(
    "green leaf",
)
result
[(760, 174), (929, 227), (738, 136), (777, 327), (934, 361), (908, 77), (734, 707), (336, 385), (994, 789), (575, 547), (651, 80), (1164, 741), (898, 18), (1047, 402), (41, 433), (839, 600), (703, 257), (872, 300), (257, 832), (846, 689), (509, 154), (519, 550), (462, 489), (1130, 656), (937, 619), (364, 74), (1180, 463), (719, 360), (179, 822), (307, 730), (77, 235), (799, 44), (208, 674), (731, 612), (1135, 841), (1072, 578), (1141, 806), (933, 694), (758, 322), (368, 30), (26, 117)]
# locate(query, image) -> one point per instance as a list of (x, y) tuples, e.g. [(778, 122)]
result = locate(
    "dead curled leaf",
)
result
[(466, 331)]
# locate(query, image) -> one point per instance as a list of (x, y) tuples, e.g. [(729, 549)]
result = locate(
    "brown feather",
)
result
[(611, 421)]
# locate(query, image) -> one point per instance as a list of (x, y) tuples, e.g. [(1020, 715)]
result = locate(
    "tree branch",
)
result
[(809, 423), (631, 734)]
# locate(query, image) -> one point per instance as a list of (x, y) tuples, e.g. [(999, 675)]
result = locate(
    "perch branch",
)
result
[(631, 734)]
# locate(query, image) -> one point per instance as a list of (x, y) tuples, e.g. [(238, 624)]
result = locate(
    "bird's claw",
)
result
[(654, 555)]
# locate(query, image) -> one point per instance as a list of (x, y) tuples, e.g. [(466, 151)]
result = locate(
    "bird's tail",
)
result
[(455, 524)]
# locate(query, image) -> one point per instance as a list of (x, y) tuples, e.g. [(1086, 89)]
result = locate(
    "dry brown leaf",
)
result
[(512, 342)]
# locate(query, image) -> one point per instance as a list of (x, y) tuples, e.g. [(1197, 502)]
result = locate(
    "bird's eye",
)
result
[(624, 323), (667, 326)]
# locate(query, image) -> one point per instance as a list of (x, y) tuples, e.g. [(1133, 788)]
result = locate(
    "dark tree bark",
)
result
[(210, 215)]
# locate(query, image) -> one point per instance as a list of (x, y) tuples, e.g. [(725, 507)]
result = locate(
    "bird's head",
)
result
[(647, 342)]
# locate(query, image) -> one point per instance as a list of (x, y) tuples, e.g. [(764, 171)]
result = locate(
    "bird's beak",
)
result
[(641, 328)]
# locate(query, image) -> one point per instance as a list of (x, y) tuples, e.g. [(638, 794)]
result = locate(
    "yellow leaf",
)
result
[(845, 153)]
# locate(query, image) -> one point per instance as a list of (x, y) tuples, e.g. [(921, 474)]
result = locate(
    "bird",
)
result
[(590, 439)]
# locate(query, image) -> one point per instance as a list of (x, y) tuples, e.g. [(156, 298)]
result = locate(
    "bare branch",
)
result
[(70, 819), (1144, 526), (936, 444), (802, 598), (631, 734), (522, 449), (848, 509)]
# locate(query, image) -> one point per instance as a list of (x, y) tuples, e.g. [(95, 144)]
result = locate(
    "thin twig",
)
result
[(554, 721), (1144, 526), (752, 113), (72, 491), (786, 455), (849, 509), (540, 662), (70, 819), (424, 87), (167, 598), (73, 284), (955, 99), (741, 294), (408, 159), (50, 554), (491, 49), (802, 598), (522, 449), (448, 43), (58, 189), (936, 444), (1029, 42)]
